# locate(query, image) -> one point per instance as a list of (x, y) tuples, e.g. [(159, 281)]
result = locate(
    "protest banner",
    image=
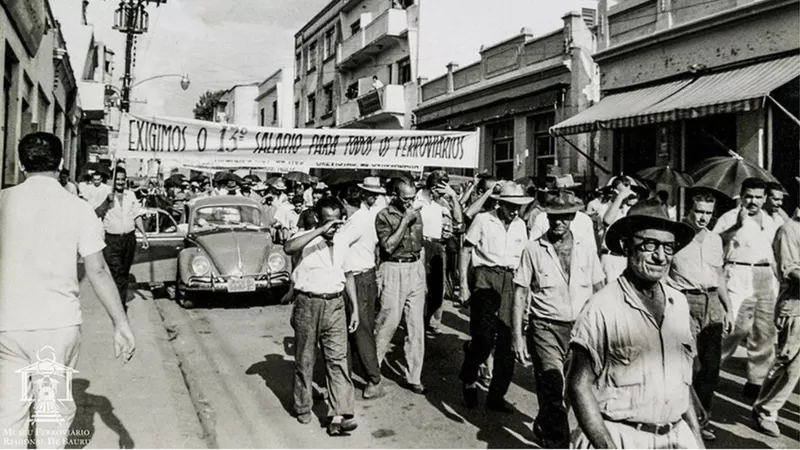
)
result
[(173, 138)]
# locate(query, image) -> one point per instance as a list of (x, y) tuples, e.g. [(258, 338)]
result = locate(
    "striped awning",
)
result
[(731, 91)]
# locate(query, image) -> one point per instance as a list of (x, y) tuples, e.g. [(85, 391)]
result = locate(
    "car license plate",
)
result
[(241, 285)]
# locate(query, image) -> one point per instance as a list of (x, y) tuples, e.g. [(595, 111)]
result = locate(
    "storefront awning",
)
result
[(731, 91)]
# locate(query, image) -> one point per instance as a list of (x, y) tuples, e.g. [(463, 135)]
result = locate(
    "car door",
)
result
[(159, 263)]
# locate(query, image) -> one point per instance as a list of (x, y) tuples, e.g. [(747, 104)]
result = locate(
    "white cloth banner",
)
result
[(188, 139)]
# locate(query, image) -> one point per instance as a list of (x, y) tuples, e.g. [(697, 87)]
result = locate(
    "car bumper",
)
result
[(209, 284)]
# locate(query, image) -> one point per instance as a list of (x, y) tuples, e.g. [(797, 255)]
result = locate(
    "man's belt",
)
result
[(362, 272), (497, 268), (434, 240), (120, 234), (659, 430), (739, 263), (710, 290), (321, 296), (403, 259)]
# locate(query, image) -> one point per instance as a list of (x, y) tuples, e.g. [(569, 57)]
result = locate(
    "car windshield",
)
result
[(227, 217)]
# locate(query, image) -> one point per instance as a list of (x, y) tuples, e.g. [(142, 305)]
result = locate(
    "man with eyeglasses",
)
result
[(748, 232), (402, 280), (697, 272), (560, 270), (630, 373)]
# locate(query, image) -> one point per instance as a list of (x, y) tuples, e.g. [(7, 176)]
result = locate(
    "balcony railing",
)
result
[(391, 24), (389, 99)]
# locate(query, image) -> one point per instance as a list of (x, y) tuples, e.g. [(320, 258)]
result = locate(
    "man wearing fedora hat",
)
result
[(559, 270), (630, 373), (493, 245)]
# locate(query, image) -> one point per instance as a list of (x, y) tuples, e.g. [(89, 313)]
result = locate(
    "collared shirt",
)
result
[(71, 188), (752, 243), (320, 269), (581, 226), (121, 217), (360, 235), (556, 294), (95, 195), (644, 372), (43, 228), (386, 223), (597, 207), (432, 215), (287, 217), (787, 255), (698, 265), (494, 246)]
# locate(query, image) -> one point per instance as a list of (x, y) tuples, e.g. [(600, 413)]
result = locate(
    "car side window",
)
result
[(150, 222), (167, 224)]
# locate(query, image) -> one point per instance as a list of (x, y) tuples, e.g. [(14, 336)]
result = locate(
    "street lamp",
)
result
[(184, 79), (111, 90)]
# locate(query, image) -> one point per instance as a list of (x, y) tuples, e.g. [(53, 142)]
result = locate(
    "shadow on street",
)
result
[(88, 405)]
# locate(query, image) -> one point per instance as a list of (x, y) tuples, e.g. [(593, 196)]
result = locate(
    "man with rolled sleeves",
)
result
[(402, 280), (559, 271), (696, 271), (493, 245), (747, 233), (630, 372)]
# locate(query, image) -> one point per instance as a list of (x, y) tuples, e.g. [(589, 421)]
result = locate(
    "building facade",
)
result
[(517, 90), (238, 105), (685, 80), (274, 101)]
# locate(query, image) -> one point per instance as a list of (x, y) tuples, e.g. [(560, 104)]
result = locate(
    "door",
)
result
[(159, 263)]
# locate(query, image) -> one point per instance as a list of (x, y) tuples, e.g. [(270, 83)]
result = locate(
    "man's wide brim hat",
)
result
[(565, 203), (512, 193), (372, 184), (647, 215)]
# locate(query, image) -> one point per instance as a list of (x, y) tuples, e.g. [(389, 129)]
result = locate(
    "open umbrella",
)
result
[(666, 175), (298, 177), (636, 186), (344, 176), (726, 173)]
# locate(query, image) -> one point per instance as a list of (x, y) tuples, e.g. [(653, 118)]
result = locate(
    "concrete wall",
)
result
[(276, 89)]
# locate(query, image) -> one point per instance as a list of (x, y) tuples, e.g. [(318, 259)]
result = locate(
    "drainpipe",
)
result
[(451, 67)]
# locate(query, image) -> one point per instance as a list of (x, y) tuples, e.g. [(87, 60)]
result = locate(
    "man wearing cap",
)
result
[(402, 280), (747, 233), (630, 373), (359, 233), (696, 271), (493, 244), (560, 270), (784, 374), (433, 214)]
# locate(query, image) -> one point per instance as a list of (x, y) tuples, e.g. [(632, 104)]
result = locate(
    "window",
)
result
[(275, 111), (261, 117), (402, 4), (404, 71), (355, 27), (330, 42), (298, 64), (544, 148), (327, 98), (352, 91), (311, 58), (311, 110), (297, 114), (503, 150)]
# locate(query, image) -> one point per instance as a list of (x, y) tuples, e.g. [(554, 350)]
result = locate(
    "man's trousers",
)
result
[(119, 252)]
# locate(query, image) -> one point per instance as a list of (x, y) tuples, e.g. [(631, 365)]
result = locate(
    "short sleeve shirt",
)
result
[(43, 230), (432, 215), (787, 254), (120, 218), (494, 246), (643, 371), (320, 269), (359, 233), (752, 243), (697, 266), (386, 223)]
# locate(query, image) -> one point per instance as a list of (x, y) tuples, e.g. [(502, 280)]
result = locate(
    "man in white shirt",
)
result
[(747, 233), (493, 244), (97, 191), (360, 235), (319, 317), (43, 228), (773, 205), (63, 178), (121, 218)]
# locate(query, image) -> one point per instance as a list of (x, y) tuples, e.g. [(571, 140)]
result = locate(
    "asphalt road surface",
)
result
[(250, 347)]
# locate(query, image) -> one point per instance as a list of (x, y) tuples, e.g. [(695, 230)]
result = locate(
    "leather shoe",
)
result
[(766, 426), (417, 388), (708, 434), (470, 395), (342, 428), (373, 391), (304, 418)]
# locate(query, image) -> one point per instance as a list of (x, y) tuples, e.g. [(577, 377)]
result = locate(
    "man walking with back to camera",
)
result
[(43, 228)]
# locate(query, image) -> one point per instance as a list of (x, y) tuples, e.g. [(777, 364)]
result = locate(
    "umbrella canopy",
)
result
[(224, 177), (665, 175), (344, 176), (298, 177), (726, 173)]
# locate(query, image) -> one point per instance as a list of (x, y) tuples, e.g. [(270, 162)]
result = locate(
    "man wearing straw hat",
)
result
[(493, 244), (560, 271), (630, 371)]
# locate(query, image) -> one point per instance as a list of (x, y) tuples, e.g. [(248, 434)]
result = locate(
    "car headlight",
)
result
[(276, 262), (200, 265)]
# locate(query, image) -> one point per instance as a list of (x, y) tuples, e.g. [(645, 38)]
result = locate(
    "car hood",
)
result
[(236, 252)]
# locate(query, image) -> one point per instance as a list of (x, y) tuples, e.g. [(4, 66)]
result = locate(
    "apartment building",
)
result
[(514, 93), (238, 105), (274, 101)]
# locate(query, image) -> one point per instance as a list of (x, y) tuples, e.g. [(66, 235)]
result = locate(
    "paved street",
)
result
[(241, 360)]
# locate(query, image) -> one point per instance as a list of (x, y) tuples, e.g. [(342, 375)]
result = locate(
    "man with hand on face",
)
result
[(319, 317), (747, 233), (560, 270), (402, 280), (630, 371), (696, 271), (493, 244)]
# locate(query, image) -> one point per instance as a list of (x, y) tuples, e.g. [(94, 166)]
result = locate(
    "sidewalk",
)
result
[(142, 404)]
